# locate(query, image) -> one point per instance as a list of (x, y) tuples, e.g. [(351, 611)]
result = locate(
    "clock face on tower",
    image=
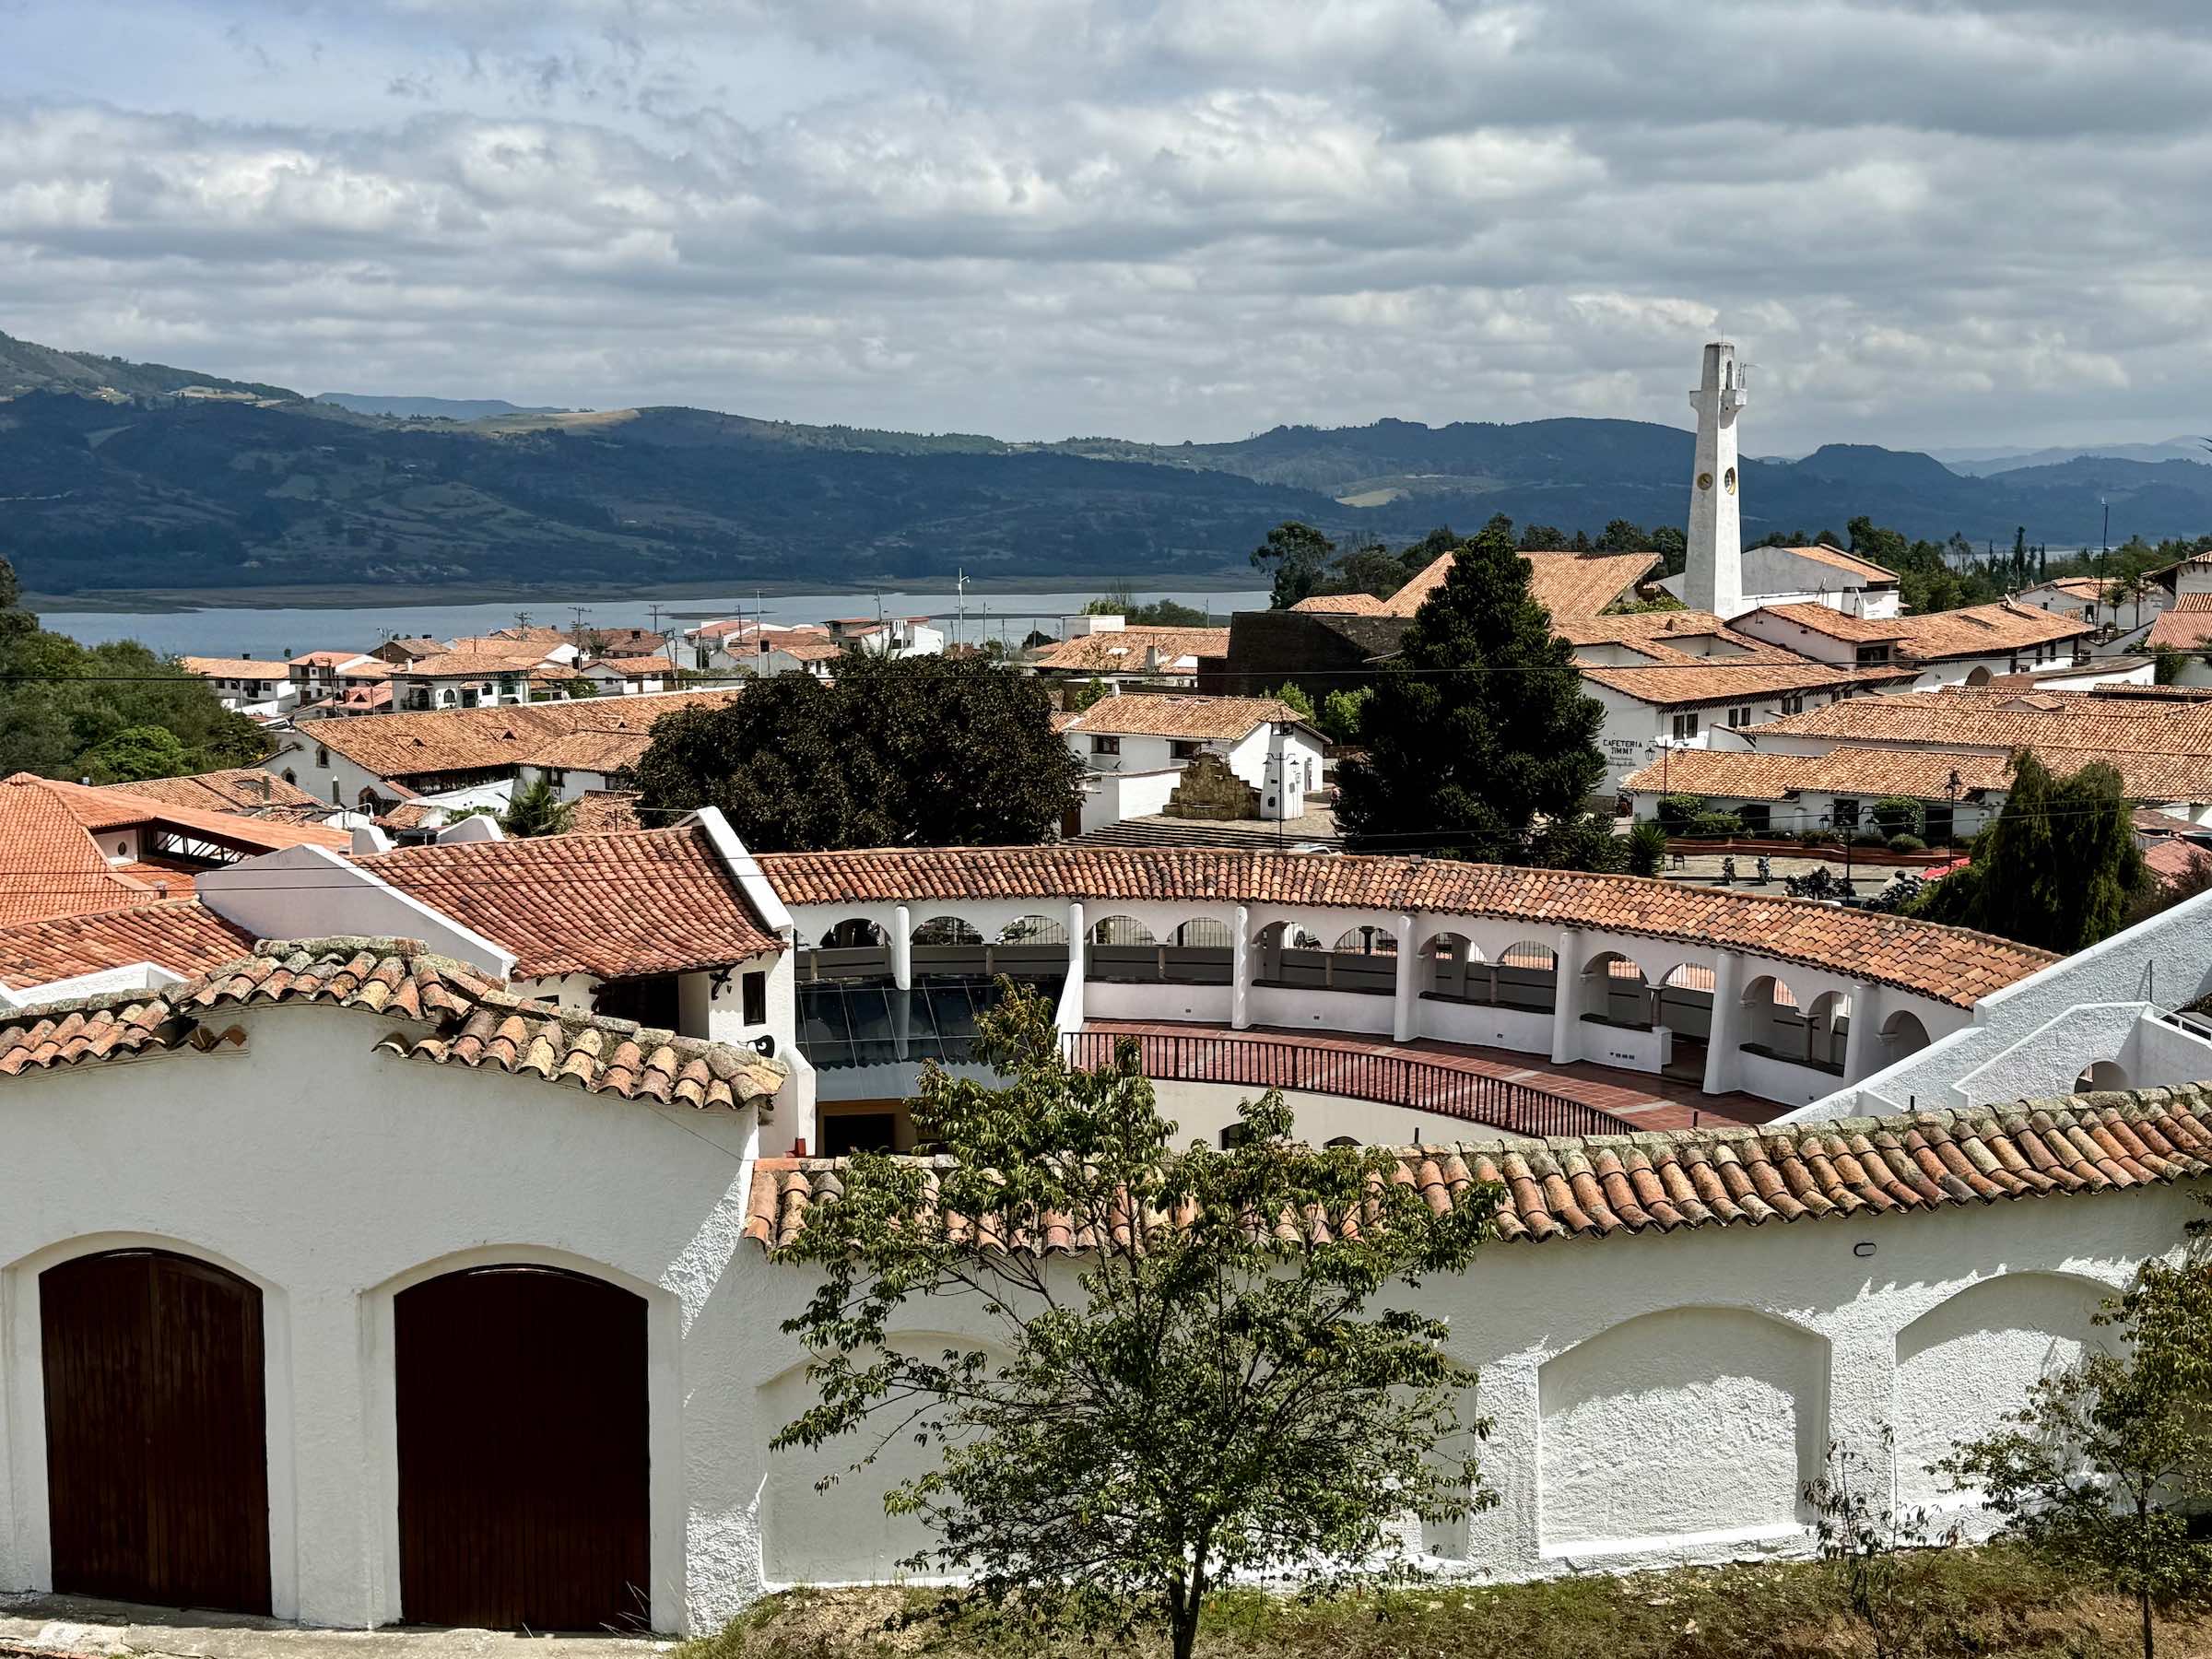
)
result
[(1704, 480)]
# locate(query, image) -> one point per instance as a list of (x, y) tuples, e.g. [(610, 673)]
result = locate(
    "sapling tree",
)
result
[(2103, 1464), (1203, 1386), (1879, 1552)]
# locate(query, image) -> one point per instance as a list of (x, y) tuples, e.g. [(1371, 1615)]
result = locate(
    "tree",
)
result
[(135, 752), (1880, 1553), (537, 809), (1292, 696), (1161, 613), (2101, 1465), (1341, 713), (913, 751), (1647, 848), (1188, 1399), (2057, 868), (1479, 727), (581, 686), (1296, 558)]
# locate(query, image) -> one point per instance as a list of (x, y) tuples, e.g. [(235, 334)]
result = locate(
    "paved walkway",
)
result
[(1647, 1100), (81, 1625)]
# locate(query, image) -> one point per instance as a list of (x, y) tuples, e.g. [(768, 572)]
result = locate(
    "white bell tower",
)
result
[(1714, 573)]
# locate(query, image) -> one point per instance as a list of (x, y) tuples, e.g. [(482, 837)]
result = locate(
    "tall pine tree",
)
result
[(1480, 743)]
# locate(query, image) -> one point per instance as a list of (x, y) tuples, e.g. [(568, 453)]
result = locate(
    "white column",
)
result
[(902, 979), (1567, 998), (1403, 1006), (1240, 971), (1727, 1010), (1071, 995), (1862, 1045)]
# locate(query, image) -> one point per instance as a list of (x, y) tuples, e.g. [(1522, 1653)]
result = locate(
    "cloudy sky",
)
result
[(1930, 222)]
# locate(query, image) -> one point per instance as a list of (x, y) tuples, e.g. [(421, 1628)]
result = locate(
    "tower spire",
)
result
[(1715, 569)]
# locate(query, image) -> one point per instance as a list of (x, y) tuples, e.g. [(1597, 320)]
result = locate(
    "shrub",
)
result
[(1647, 848), (1907, 843), (1869, 838), (1814, 838), (1340, 712), (1900, 815), (1675, 811), (1717, 824)]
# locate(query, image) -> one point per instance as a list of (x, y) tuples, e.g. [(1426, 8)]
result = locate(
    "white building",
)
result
[(246, 685), (1106, 649), (1135, 749), (743, 645), (630, 676), (895, 636)]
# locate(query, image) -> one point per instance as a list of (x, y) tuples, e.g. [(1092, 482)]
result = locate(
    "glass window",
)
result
[(755, 987)]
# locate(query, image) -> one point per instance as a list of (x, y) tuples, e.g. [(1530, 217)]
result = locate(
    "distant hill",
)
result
[(431, 408), (1982, 463), (27, 366), (264, 490)]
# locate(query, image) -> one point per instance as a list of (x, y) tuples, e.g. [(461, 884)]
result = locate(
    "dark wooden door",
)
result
[(156, 1458), (523, 1453)]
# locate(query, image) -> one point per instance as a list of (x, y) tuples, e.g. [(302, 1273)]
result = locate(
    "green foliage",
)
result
[(1647, 847), (1678, 809), (1294, 696), (925, 750), (2058, 869), (1481, 744), (133, 753), (2168, 665), (1294, 558), (1159, 613), (581, 687), (1879, 1553), (1076, 698), (1715, 824), (66, 709), (537, 809), (1185, 1402), (2101, 1466), (1341, 713), (1907, 843), (1900, 815), (1479, 728)]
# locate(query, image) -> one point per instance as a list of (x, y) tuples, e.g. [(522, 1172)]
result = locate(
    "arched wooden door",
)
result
[(157, 1457), (522, 1455)]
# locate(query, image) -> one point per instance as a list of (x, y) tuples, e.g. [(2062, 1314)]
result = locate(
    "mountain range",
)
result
[(127, 476)]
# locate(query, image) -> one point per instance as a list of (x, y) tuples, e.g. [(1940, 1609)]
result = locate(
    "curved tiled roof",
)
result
[(476, 1021), (1949, 964), (183, 936), (1604, 1187)]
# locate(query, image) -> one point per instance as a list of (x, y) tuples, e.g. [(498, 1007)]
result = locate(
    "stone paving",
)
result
[(77, 1625)]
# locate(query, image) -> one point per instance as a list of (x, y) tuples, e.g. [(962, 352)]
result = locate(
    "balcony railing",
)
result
[(1389, 1079)]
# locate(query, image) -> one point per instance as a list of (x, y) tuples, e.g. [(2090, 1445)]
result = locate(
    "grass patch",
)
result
[(1993, 1603)]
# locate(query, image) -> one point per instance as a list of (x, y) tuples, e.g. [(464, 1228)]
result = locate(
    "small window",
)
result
[(1739, 717), (1792, 702), (1105, 745), (755, 989), (321, 755), (1186, 748), (555, 777), (1685, 726), (1757, 816)]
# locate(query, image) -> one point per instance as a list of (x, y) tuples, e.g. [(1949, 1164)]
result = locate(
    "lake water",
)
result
[(224, 630)]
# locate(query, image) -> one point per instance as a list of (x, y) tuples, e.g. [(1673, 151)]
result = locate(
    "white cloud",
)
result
[(1929, 221)]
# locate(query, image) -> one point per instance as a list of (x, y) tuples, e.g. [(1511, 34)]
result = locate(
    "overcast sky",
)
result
[(1929, 223)]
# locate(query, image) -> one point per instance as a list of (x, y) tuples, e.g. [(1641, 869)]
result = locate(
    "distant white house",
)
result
[(629, 675), (1136, 748), (1105, 648), (893, 636), (247, 685), (479, 674), (742, 645)]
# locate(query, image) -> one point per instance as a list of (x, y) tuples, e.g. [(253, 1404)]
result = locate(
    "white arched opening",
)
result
[(1615, 992), (2101, 1074), (1742, 1401), (1528, 976), (1902, 1034)]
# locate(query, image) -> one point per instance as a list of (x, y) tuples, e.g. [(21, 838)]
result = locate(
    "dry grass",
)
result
[(1991, 1604)]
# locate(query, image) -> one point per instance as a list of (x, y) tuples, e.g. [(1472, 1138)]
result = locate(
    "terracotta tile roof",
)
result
[(1609, 1186), (1189, 717), (604, 812), (418, 744), (497, 657), (1343, 605), (651, 901), (1734, 679), (1985, 630), (2187, 626), (1948, 964), (1132, 649), (236, 667), (476, 1021), (1835, 624), (654, 664), (322, 659), (1958, 718), (1923, 773), (2172, 858), (245, 789), (1867, 573), (182, 935), (50, 865), (1740, 774), (2085, 588), (1565, 585)]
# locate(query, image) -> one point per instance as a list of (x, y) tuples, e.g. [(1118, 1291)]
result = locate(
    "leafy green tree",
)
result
[(1621, 536), (2102, 1466), (1672, 547), (1341, 713), (1159, 613), (581, 687), (925, 750), (1898, 815), (1291, 694), (1371, 569), (537, 809), (1076, 698), (1295, 559), (1542, 539), (1188, 1399), (1480, 727), (133, 753), (2056, 870)]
